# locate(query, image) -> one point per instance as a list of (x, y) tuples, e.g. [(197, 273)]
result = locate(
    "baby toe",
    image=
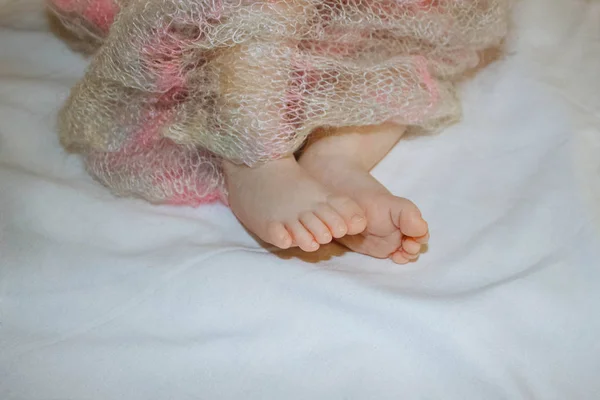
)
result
[(409, 219), (422, 239), (402, 257), (399, 258), (335, 223), (351, 212), (411, 246), (278, 235), (302, 237), (316, 227)]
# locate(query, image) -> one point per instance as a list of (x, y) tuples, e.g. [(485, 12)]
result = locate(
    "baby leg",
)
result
[(341, 160), (276, 200)]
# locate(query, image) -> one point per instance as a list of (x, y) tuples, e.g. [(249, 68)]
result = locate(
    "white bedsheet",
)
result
[(104, 298)]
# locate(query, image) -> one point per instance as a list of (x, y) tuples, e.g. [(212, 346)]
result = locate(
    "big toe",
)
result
[(351, 212), (278, 235), (409, 219)]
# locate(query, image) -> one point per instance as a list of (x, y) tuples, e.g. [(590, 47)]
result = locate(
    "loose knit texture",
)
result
[(174, 87)]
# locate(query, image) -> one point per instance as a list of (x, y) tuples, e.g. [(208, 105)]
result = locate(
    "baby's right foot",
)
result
[(283, 205)]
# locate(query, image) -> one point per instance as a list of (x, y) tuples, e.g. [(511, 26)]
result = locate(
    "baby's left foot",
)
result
[(395, 227)]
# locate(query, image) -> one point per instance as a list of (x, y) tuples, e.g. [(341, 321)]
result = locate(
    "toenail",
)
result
[(314, 244), (357, 219), (341, 231)]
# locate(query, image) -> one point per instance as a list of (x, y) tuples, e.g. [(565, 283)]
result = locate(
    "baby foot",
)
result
[(395, 228), (283, 205)]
